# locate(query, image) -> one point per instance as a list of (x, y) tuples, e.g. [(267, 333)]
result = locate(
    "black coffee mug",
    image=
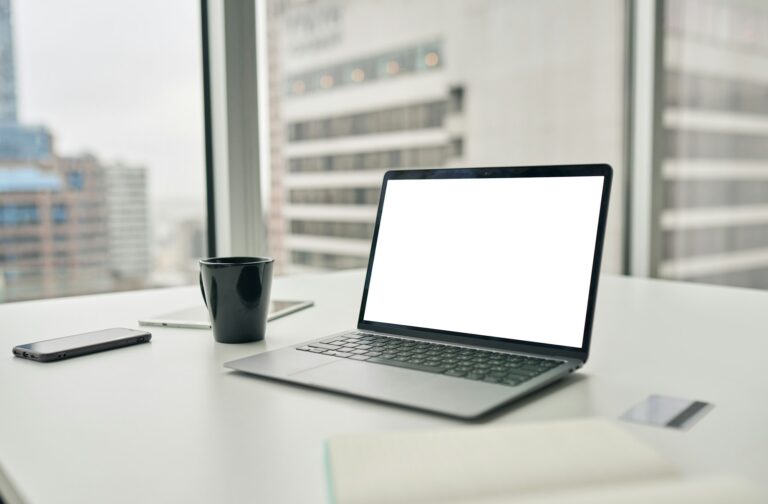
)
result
[(236, 292)]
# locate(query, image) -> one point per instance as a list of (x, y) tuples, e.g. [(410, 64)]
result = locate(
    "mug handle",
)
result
[(202, 291)]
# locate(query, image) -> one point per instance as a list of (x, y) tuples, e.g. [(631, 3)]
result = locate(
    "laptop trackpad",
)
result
[(352, 376)]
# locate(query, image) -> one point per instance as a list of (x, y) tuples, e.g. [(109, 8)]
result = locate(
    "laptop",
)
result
[(480, 289)]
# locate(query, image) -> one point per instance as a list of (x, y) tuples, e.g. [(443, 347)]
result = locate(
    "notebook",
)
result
[(568, 462)]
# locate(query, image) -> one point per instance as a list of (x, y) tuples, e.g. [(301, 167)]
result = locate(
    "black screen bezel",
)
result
[(587, 170)]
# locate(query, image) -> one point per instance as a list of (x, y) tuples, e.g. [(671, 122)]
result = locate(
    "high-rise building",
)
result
[(7, 67), (128, 226), (53, 229), (360, 87), (53, 235), (17, 142), (67, 224), (713, 211)]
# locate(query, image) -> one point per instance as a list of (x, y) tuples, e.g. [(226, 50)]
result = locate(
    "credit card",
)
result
[(665, 411)]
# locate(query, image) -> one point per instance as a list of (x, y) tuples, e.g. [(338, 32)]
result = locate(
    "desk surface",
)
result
[(165, 422)]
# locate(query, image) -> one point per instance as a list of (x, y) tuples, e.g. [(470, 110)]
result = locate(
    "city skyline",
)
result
[(348, 101), (70, 221), (145, 110)]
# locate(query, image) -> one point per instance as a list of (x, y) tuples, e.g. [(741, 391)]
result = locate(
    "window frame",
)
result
[(231, 67), (235, 218)]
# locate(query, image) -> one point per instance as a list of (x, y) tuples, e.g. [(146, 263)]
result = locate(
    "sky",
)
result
[(120, 80)]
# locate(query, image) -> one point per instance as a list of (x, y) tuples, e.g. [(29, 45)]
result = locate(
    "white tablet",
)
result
[(197, 317)]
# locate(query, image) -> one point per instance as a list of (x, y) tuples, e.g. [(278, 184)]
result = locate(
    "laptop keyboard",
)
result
[(469, 363)]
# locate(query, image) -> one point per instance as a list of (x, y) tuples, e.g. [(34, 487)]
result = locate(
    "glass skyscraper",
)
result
[(17, 142)]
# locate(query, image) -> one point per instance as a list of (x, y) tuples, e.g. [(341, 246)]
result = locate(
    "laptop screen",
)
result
[(509, 258)]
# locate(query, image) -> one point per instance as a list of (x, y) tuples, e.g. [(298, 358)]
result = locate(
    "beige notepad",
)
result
[(577, 461)]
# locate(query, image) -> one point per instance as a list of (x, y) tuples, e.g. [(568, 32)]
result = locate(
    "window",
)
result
[(59, 214), (14, 215), (713, 215), (101, 151), (358, 88)]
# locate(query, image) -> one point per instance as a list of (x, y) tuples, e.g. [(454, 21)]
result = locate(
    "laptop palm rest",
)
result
[(279, 364), (445, 394)]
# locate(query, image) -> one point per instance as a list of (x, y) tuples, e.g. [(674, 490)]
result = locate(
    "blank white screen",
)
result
[(504, 257)]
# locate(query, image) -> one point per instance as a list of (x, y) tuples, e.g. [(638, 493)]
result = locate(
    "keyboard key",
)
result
[(339, 354), (318, 350), (407, 365), (305, 348), (530, 369), (521, 376), (325, 346), (359, 357)]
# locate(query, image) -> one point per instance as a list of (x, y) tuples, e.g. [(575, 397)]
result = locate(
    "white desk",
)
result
[(165, 422)]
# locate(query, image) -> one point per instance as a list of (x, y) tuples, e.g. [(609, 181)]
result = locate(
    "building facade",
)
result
[(53, 229), (8, 113), (68, 225), (128, 226), (430, 83), (713, 212)]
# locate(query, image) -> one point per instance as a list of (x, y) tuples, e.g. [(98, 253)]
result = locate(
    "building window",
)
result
[(75, 180), (344, 196), (383, 66), (378, 160), (328, 261), (59, 213), (19, 215), (411, 117), (456, 100), (357, 230)]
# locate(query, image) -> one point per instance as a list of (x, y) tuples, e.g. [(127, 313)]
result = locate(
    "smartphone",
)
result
[(81, 344)]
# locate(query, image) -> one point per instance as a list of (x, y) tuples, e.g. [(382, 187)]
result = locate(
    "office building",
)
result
[(430, 84), (24, 143), (8, 112), (128, 225), (713, 220), (53, 229), (68, 225)]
